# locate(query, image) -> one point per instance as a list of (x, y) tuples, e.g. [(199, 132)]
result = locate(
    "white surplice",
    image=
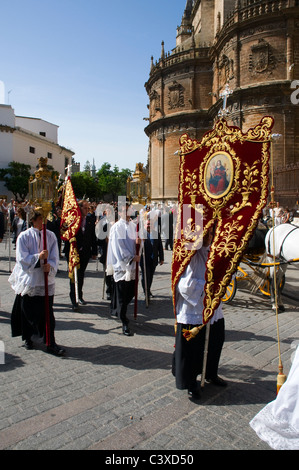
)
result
[(190, 291), (26, 277), (278, 422), (121, 251)]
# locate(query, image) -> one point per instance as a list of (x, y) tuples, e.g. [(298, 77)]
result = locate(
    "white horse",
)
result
[(286, 244)]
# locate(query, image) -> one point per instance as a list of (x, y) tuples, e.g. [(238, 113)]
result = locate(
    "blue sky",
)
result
[(82, 65)]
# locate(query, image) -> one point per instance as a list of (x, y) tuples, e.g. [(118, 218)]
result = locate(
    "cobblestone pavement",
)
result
[(111, 392)]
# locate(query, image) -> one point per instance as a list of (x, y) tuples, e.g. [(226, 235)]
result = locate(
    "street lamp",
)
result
[(42, 193)]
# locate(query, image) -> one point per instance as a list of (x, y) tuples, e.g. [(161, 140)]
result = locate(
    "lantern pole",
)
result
[(47, 310), (42, 188)]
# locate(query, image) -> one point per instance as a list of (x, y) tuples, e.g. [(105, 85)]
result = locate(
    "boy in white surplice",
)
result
[(28, 282)]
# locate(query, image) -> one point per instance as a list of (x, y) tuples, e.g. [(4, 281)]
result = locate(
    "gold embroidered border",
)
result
[(220, 140)]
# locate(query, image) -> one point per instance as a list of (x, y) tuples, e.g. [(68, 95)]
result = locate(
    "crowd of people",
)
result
[(280, 215), (107, 232), (13, 217), (123, 242)]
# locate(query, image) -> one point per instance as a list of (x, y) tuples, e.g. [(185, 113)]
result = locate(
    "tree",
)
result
[(118, 183), (16, 178), (85, 185), (112, 182), (79, 184), (108, 183)]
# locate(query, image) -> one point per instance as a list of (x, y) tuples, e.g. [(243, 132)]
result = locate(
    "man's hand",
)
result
[(46, 267), (43, 254)]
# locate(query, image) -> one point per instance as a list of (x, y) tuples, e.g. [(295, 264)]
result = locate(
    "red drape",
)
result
[(223, 182)]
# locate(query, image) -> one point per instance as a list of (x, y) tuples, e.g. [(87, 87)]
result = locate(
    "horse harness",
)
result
[(281, 246)]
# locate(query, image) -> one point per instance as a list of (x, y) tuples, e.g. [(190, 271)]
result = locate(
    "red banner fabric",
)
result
[(223, 179)]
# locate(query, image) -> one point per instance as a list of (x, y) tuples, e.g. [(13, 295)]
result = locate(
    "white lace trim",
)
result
[(280, 435)]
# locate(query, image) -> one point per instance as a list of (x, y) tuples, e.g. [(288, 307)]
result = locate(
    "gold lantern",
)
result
[(138, 187), (43, 188)]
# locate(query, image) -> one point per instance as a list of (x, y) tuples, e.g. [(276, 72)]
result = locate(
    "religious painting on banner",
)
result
[(70, 224), (223, 182)]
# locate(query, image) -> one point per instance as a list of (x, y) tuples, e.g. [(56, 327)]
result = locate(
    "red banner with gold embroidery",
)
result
[(224, 179), (70, 224)]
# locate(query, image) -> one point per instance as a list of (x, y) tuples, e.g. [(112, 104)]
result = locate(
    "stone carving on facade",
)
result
[(226, 70), (266, 28), (261, 58), (154, 103), (176, 96)]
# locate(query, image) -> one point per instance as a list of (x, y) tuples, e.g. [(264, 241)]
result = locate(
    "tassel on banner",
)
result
[(281, 377), (189, 334)]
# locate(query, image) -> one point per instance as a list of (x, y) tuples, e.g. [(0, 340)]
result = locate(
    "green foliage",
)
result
[(16, 178), (84, 185), (107, 184)]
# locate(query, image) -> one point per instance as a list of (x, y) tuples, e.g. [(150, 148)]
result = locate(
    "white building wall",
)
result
[(7, 115), (37, 126), (22, 143), (6, 146), (16, 141)]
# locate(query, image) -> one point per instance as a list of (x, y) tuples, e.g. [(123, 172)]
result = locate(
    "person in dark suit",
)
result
[(54, 225), (19, 224), (152, 255), (87, 248), (1, 226)]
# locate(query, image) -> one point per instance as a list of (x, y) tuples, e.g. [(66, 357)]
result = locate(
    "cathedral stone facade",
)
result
[(241, 55)]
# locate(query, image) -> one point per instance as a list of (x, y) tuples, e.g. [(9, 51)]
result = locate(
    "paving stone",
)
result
[(116, 392)]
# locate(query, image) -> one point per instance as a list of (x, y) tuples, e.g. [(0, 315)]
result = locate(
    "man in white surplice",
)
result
[(188, 355), (28, 282), (121, 263)]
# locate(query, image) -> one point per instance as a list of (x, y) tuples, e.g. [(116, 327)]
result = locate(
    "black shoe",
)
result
[(28, 344), (217, 381), (127, 331), (194, 394), (75, 307), (55, 350), (82, 302)]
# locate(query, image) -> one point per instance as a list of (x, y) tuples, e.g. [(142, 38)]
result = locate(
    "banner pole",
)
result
[(136, 273), (76, 284), (47, 312), (9, 250), (205, 358), (281, 377), (145, 276)]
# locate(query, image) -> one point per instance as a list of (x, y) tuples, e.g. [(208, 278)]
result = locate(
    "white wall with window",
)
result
[(39, 127), (25, 140)]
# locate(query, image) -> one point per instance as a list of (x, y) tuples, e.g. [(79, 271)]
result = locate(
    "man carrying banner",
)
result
[(86, 244), (189, 354), (202, 267), (121, 262)]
